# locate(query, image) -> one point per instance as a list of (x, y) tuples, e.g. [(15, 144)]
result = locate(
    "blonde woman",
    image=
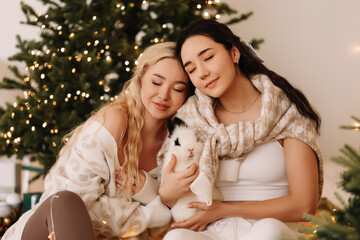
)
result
[(82, 197)]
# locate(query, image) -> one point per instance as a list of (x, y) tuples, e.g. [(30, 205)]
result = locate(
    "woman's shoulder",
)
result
[(115, 122)]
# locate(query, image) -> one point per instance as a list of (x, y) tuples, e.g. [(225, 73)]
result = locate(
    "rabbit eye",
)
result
[(177, 143)]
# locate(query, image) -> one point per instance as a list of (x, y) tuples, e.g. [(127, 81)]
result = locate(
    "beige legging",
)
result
[(64, 215)]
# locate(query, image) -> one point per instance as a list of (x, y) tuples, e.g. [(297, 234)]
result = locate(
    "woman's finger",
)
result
[(199, 205)]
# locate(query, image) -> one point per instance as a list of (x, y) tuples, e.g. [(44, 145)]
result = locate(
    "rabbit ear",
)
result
[(178, 122), (171, 124)]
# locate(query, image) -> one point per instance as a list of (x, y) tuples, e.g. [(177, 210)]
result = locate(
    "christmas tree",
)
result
[(342, 223), (87, 50)]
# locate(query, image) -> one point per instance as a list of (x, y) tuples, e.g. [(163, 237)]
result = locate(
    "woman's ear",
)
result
[(235, 54)]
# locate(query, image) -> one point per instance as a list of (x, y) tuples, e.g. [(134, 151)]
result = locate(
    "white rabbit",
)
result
[(187, 149)]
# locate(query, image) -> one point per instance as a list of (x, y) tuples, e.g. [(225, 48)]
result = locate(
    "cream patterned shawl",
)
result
[(227, 146)]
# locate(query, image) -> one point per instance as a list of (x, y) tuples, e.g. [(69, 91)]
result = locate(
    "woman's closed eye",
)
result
[(180, 90), (191, 71), (208, 58), (156, 83)]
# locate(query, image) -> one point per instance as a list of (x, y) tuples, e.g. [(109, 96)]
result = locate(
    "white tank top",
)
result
[(262, 176)]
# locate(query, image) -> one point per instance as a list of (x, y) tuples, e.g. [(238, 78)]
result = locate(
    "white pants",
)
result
[(237, 228)]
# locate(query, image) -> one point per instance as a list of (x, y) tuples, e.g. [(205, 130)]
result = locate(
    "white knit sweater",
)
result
[(88, 169)]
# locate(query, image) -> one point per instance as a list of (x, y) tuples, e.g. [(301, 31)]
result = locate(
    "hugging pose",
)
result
[(260, 150)]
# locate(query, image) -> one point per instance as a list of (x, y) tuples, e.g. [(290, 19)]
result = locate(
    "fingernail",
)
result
[(172, 226), (189, 205)]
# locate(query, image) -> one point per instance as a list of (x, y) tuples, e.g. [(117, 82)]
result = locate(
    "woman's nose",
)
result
[(204, 72), (164, 93)]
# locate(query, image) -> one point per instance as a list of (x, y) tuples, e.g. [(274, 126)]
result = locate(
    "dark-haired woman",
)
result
[(260, 136)]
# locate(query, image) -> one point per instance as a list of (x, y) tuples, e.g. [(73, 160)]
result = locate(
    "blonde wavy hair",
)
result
[(129, 101)]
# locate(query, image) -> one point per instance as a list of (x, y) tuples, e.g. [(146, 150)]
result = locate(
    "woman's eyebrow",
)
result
[(158, 75), (200, 53)]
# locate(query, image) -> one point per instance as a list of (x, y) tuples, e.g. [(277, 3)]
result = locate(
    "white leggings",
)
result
[(237, 228)]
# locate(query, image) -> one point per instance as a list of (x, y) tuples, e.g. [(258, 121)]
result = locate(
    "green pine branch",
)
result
[(344, 223)]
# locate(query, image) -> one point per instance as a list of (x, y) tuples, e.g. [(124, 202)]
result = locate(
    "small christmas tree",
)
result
[(87, 50), (342, 224)]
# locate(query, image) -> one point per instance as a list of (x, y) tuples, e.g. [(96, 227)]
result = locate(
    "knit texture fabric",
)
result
[(225, 147)]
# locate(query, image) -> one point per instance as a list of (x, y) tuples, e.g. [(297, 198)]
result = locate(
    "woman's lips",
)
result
[(212, 83), (161, 106)]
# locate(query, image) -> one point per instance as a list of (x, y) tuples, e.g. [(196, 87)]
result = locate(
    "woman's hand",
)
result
[(203, 217), (176, 184), (135, 188)]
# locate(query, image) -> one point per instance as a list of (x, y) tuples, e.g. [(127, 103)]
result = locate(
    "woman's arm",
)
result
[(302, 171)]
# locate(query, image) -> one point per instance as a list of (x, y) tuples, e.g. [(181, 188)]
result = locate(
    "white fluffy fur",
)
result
[(188, 143)]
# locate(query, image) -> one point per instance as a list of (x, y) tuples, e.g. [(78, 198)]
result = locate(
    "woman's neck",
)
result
[(240, 95), (154, 129)]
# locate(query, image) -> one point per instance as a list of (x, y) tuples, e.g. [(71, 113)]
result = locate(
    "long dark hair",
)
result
[(248, 64)]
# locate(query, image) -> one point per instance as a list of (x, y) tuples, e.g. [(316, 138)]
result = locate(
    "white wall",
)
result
[(314, 44)]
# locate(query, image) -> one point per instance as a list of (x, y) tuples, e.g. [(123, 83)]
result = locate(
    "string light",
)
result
[(94, 18), (198, 6), (33, 128)]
